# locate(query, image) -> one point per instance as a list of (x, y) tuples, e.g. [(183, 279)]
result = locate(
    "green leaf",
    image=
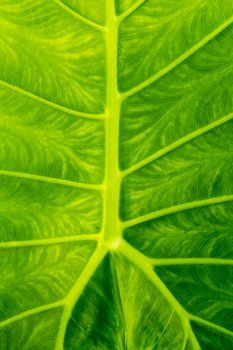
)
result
[(116, 220)]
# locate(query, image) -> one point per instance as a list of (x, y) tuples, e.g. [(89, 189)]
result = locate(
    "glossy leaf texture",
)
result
[(116, 188)]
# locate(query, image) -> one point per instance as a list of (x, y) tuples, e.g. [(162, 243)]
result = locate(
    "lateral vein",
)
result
[(31, 312), (130, 10), (185, 341), (210, 325), (69, 300), (52, 104), (165, 329), (142, 262), (191, 261), (49, 241), (192, 337), (177, 144), (51, 180), (176, 209), (179, 60), (80, 17), (74, 294)]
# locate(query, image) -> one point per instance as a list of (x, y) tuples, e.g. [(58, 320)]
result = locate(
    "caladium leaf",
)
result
[(116, 221)]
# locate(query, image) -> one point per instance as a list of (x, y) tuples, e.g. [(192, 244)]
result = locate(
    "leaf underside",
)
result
[(116, 129)]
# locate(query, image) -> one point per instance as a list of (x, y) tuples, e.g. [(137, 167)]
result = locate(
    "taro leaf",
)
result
[(116, 174)]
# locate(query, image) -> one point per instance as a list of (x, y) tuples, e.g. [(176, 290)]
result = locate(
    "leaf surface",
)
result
[(116, 129)]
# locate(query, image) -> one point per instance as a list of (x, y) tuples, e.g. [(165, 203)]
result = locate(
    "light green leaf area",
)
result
[(116, 188)]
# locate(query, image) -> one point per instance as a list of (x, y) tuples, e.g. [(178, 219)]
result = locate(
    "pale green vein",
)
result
[(176, 209), (50, 241), (130, 10), (52, 104), (191, 261), (51, 180), (80, 17), (183, 347), (76, 291), (179, 60), (68, 302), (177, 144), (85, 331), (31, 312), (210, 325), (112, 173), (142, 262), (192, 337), (165, 328)]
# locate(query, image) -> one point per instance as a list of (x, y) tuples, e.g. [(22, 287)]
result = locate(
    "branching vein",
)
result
[(165, 328), (78, 16), (51, 180), (52, 104), (130, 10), (142, 262), (208, 324), (179, 60), (177, 144), (76, 291), (191, 261), (192, 337), (31, 312), (68, 302), (177, 209), (185, 340), (50, 241)]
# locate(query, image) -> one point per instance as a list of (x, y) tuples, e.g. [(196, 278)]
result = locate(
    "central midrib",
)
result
[(111, 222)]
